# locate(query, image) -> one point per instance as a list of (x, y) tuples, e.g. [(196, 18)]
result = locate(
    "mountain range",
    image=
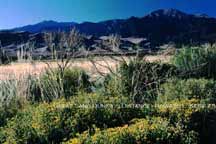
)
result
[(160, 26), (46, 26)]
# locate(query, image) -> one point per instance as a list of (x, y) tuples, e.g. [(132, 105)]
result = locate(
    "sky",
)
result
[(15, 13)]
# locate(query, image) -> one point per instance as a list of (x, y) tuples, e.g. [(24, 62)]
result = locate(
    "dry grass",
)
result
[(20, 70)]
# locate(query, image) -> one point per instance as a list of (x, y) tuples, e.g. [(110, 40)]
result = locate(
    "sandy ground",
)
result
[(101, 64)]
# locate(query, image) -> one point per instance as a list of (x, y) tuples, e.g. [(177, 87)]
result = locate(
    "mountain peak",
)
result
[(168, 13), (48, 21)]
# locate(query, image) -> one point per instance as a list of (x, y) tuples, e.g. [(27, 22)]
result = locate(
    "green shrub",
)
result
[(196, 61), (56, 84), (139, 80), (111, 86), (7, 113), (176, 89)]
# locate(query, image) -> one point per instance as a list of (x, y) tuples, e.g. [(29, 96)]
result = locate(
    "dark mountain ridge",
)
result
[(159, 27), (46, 26)]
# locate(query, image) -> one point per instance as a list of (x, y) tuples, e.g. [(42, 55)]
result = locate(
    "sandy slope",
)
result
[(102, 64)]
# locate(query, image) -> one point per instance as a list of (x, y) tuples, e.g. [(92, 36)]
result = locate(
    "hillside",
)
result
[(160, 26), (46, 26)]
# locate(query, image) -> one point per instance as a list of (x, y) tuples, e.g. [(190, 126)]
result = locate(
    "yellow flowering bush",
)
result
[(63, 120), (182, 111), (145, 131)]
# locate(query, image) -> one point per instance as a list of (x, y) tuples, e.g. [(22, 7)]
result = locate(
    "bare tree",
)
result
[(115, 41), (74, 40), (63, 46), (68, 44), (49, 38)]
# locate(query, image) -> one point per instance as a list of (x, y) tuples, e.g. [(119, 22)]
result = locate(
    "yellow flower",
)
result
[(94, 138), (35, 125), (56, 119), (125, 126), (74, 141)]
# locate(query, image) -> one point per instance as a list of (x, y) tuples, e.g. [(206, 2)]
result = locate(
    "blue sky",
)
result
[(14, 13)]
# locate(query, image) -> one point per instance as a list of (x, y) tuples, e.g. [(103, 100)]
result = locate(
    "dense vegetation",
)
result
[(141, 102)]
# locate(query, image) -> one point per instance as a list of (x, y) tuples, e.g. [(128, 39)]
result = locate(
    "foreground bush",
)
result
[(176, 89), (193, 116), (186, 121), (61, 120), (196, 61), (87, 119), (139, 80)]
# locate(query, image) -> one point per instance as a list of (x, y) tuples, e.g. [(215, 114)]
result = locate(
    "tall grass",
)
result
[(54, 84), (14, 90), (45, 88)]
